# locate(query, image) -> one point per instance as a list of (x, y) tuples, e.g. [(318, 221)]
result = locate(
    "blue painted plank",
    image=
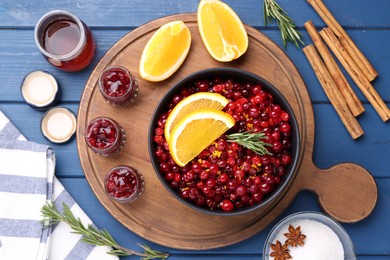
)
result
[(333, 145), (362, 233), (350, 13), (19, 56), (373, 257)]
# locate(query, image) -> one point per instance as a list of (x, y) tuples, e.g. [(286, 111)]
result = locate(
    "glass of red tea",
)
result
[(64, 40)]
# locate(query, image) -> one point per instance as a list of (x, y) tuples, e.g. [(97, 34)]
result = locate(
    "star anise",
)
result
[(280, 252), (294, 236)]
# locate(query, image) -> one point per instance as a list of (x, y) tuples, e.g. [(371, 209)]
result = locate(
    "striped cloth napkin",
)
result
[(27, 182)]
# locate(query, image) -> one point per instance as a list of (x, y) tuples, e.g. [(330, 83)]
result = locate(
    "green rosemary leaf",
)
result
[(151, 254), (288, 31), (251, 140), (91, 235)]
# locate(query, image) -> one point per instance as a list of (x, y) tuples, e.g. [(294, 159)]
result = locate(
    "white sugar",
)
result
[(321, 242)]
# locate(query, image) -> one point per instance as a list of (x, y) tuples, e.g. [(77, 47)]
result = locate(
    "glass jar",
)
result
[(118, 86), (64, 40), (105, 136), (124, 184)]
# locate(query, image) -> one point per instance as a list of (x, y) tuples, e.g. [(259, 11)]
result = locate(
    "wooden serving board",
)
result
[(346, 192)]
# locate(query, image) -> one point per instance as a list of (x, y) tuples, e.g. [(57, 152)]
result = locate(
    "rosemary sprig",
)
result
[(288, 31), (93, 236), (251, 140)]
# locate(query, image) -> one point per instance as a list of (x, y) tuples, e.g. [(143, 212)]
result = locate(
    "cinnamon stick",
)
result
[(333, 93), (356, 74), (346, 90), (360, 60)]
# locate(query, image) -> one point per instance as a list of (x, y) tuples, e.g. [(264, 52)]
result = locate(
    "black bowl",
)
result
[(241, 76)]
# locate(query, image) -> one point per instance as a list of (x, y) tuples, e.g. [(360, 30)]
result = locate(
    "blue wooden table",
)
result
[(368, 24)]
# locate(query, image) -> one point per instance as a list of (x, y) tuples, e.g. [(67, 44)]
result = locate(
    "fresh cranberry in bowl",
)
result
[(124, 184), (228, 178), (105, 136), (118, 86)]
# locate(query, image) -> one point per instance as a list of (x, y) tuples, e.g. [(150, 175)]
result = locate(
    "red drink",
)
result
[(124, 184), (105, 136), (65, 41), (61, 37), (118, 86)]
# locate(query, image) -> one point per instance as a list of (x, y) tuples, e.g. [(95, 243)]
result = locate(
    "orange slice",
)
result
[(196, 131), (165, 51), (221, 30), (192, 103)]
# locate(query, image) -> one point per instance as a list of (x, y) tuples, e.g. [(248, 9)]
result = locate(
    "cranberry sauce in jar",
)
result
[(124, 184), (105, 136), (118, 86)]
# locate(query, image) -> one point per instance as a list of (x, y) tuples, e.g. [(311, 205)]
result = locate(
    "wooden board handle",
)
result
[(346, 191)]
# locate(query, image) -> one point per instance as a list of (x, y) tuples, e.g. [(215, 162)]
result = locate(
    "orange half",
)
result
[(221, 30), (195, 132), (165, 51)]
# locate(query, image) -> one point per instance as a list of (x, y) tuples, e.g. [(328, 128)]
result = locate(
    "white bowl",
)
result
[(345, 240)]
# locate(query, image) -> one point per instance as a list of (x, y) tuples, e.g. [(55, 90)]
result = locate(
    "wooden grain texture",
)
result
[(210, 231)]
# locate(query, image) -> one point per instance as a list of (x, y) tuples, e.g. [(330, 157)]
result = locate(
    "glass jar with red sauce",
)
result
[(64, 40), (118, 86), (105, 136), (124, 184)]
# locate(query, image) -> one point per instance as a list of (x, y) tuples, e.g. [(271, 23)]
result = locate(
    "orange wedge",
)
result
[(195, 132), (165, 51), (221, 30), (192, 103)]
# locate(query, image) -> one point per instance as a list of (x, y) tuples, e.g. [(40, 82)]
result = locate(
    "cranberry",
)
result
[(170, 176), (221, 145), (196, 167), (286, 159), (211, 182), (177, 177), (256, 90), (266, 188), (285, 128), (277, 146), (285, 116), (240, 174), (224, 178), (202, 85), (227, 205), (257, 197), (176, 99), (241, 190), (218, 88), (204, 175)]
